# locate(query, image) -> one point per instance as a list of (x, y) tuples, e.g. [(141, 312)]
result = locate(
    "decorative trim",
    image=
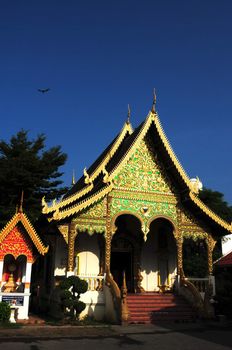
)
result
[(193, 234), (82, 205), (119, 192), (108, 235), (71, 246)]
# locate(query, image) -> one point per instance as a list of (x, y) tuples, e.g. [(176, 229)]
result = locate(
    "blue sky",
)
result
[(98, 56)]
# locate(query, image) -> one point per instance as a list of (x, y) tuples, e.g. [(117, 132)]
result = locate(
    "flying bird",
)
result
[(44, 90)]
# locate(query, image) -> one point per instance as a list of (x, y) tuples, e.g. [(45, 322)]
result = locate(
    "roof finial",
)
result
[(128, 114), (73, 178), (20, 209), (154, 102)]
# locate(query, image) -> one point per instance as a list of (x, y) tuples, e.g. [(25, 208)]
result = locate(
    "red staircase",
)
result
[(156, 308)]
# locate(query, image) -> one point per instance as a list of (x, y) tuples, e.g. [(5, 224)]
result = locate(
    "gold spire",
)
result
[(154, 102), (73, 178), (128, 114), (20, 209)]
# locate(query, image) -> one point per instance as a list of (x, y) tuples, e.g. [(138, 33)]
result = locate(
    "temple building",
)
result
[(131, 224), (20, 245)]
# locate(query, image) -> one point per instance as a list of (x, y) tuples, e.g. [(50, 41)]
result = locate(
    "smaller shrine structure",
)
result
[(19, 247)]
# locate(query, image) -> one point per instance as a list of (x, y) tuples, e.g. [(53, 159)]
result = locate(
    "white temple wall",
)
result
[(95, 305), (149, 264), (158, 267), (87, 262)]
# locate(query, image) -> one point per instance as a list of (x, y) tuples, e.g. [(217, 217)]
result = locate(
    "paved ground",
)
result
[(212, 336), (207, 340)]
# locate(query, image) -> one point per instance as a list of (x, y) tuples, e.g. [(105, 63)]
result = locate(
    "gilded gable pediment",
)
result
[(143, 173)]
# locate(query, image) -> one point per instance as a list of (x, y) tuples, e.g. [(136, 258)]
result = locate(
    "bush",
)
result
[(4, 312), (71, 288)]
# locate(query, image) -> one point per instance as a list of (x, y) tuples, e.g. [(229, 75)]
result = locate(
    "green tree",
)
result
[(71, 288), (27, 165), (215, 201)]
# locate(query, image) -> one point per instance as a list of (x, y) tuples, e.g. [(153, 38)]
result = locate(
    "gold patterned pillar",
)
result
[(71, 247), (210, 247), (179, 242), (108, 236)]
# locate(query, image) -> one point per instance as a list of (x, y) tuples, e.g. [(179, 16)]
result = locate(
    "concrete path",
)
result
[(136, 337)]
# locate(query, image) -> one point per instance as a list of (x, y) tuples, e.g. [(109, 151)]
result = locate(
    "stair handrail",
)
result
[(115, 292), (124, 306), (197, 299)]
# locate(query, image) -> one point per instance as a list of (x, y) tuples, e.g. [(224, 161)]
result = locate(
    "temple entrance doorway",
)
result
[(122, 261), (125, 251), (159, 257)]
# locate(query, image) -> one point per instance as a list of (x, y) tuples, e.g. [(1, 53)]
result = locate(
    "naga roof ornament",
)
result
[(106, 175), (87, 177), (73, 178), (128, 114), (153, 109)]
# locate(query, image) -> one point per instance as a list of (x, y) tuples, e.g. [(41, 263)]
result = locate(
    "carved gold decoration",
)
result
[(84, 204), (136, 207), (88, 181), (44, 204), (17, 243), (196, 185), (71, 245), (142, 195), (64, 231), (95, 211), (142, 173), (91, 226), (210, 247), (193, 234), (179, 243), (187, 218), (92, 219), (106, 175), (10, 285), (108, 235)]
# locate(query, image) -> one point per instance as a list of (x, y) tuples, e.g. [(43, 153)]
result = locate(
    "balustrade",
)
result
[(95, 283), (202, 283)]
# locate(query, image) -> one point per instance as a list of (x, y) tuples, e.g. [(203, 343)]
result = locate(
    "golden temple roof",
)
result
[(97, 181), (20, 217)]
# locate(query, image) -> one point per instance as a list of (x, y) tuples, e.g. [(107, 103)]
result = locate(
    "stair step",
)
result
[(154, 307)]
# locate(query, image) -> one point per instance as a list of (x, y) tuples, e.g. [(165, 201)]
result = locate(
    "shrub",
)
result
[(4, 312), (71, 288)]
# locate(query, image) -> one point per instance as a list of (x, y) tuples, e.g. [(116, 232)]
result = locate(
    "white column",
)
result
[(28, 277)]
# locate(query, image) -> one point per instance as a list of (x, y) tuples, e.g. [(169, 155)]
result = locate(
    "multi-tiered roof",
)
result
[(97, 180)]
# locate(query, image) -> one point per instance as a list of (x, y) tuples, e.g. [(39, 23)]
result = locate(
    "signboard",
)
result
[(13, 299)]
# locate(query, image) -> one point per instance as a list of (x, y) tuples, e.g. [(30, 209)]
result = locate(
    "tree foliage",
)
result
[(27, 165), (4, 312), (71, 288), (215, 201)]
